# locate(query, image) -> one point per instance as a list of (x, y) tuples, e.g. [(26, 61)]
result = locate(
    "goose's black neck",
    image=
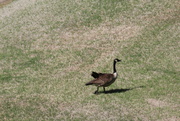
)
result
[(114, 67)]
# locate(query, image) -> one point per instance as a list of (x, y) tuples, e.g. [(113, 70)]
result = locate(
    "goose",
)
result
[(104, 79)]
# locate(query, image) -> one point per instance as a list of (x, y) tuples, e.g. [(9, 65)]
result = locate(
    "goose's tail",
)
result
[(94, 74)]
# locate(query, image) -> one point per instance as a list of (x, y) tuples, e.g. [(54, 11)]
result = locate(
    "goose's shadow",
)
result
[(120, 90)]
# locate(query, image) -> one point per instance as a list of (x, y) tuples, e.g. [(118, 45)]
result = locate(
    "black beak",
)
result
[(118, 60)]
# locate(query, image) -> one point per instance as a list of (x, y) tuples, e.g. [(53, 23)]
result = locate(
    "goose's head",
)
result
[(114, 67), (117, 60)]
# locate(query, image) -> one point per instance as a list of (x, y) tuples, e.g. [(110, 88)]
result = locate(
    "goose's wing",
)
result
[(106, 78), (103, 79), (96, 82)]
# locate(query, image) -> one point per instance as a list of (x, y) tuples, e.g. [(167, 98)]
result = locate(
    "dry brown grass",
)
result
[(4, 2)]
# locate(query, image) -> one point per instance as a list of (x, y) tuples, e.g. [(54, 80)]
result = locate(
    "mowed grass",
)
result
[(49, 48)]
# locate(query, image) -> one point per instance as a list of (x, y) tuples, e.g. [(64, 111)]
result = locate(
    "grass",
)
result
[(4, 2), (49, 48)]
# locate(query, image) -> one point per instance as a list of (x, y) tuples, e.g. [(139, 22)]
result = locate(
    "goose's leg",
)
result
[(104, 89), (96, 90)]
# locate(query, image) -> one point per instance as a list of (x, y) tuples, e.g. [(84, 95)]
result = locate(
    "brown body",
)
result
[(103, 80)]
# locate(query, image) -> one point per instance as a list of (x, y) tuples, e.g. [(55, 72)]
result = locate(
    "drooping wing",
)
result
[(96, 82)]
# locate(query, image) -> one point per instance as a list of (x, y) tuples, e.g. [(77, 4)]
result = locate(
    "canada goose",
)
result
[(104, 79)]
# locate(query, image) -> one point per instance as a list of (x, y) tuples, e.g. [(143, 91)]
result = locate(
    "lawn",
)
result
[(48, 50)]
